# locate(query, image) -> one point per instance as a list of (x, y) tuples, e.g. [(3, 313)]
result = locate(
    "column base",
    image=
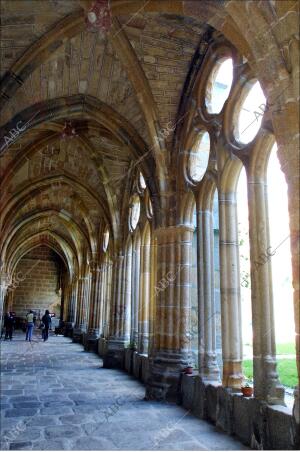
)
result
[(266, 382), (296, 416), (91, 340), (276, 396), (210, 372), (69, 329), (232, 375), (115, 354), (164, 380), (78, 332)]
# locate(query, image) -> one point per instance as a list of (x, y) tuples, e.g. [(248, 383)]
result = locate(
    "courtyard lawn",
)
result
[(286, 349), (286, 367)]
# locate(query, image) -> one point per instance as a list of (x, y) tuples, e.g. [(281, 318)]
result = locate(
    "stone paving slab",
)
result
[(56, 396)]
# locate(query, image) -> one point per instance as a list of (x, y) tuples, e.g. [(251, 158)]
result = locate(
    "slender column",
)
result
[(266, 381), (108, 300), (126, 307), (171, 350), (230, 292), (3, 291), (208, 366), (79, 327), (102, 289), (93, 326), (152, 307), (116, 343), (143, 343), (83, 318), (135, 292)]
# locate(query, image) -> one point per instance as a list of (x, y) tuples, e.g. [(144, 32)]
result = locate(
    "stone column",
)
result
[(115, 347), (230, 292), (71, 306), (127, 296), (208, 366), (266, 381), (83, 317), (3, 291), (107, 299), (102, 290), (93, 325), (80, 326), (144, 308), (135, 292), (171, 348)]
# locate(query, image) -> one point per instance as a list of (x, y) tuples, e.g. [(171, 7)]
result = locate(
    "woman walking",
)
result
[(46, 319)]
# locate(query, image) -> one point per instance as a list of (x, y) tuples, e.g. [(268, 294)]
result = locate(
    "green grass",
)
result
[(286, 369), (286, 349)]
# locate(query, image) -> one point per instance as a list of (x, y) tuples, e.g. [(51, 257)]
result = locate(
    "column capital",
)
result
[(177, 229)]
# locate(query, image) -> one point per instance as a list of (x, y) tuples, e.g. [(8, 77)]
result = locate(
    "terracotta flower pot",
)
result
[(247, 391), (189, 370)]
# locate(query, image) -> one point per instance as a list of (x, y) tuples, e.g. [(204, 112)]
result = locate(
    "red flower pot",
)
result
[(189, 370), (247, 391)]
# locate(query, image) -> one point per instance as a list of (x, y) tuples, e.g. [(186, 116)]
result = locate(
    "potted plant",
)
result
[(247, 390)]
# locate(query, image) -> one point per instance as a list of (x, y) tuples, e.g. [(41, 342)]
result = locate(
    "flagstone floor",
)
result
[(55, 396)]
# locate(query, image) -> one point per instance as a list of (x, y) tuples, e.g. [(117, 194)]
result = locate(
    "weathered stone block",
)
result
[(136, 365), (188, 391)]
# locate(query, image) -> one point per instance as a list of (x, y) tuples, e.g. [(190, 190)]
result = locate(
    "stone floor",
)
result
[(55, 396)]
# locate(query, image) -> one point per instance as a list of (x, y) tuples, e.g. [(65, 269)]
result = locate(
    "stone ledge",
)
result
[(247, 418)]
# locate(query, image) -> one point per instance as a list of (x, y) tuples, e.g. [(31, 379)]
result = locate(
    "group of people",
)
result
[(45, 325)]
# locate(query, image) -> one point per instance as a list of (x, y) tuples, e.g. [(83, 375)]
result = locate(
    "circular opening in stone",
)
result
[(250, 114), (198, 157), (105, 239), (134, 212), (219, 85)]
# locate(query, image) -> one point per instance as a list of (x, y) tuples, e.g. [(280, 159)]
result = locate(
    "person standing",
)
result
[(29, 326), (9, 325), (46, 319)]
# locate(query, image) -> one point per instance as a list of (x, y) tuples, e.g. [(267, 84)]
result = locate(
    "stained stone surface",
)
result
[(56, 396)]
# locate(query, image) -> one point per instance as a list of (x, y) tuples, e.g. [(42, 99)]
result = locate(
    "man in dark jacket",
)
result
[(46, 319), (9, 325)]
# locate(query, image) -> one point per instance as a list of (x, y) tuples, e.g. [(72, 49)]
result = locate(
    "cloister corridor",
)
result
[(56, 396), (149, 213)]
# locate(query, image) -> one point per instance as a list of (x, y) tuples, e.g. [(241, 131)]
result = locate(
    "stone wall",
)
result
[(36, 282), (254, 422)]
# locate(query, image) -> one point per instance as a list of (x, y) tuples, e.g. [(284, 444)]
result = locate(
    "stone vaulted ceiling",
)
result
[(118, 89)]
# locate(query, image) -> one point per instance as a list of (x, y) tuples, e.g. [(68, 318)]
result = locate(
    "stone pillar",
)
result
[(285, 120), (125, 312), (79, 327), (71, 306), (107, 299), (144, 308), (93, 324), (230, 292), (115, 347), (266, 382), (3, 291), (135, 292), (171, 349), (102, 289), (208, 366)]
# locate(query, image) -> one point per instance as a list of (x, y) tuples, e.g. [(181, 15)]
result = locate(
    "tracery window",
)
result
[(134, 212), (219, 85)]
